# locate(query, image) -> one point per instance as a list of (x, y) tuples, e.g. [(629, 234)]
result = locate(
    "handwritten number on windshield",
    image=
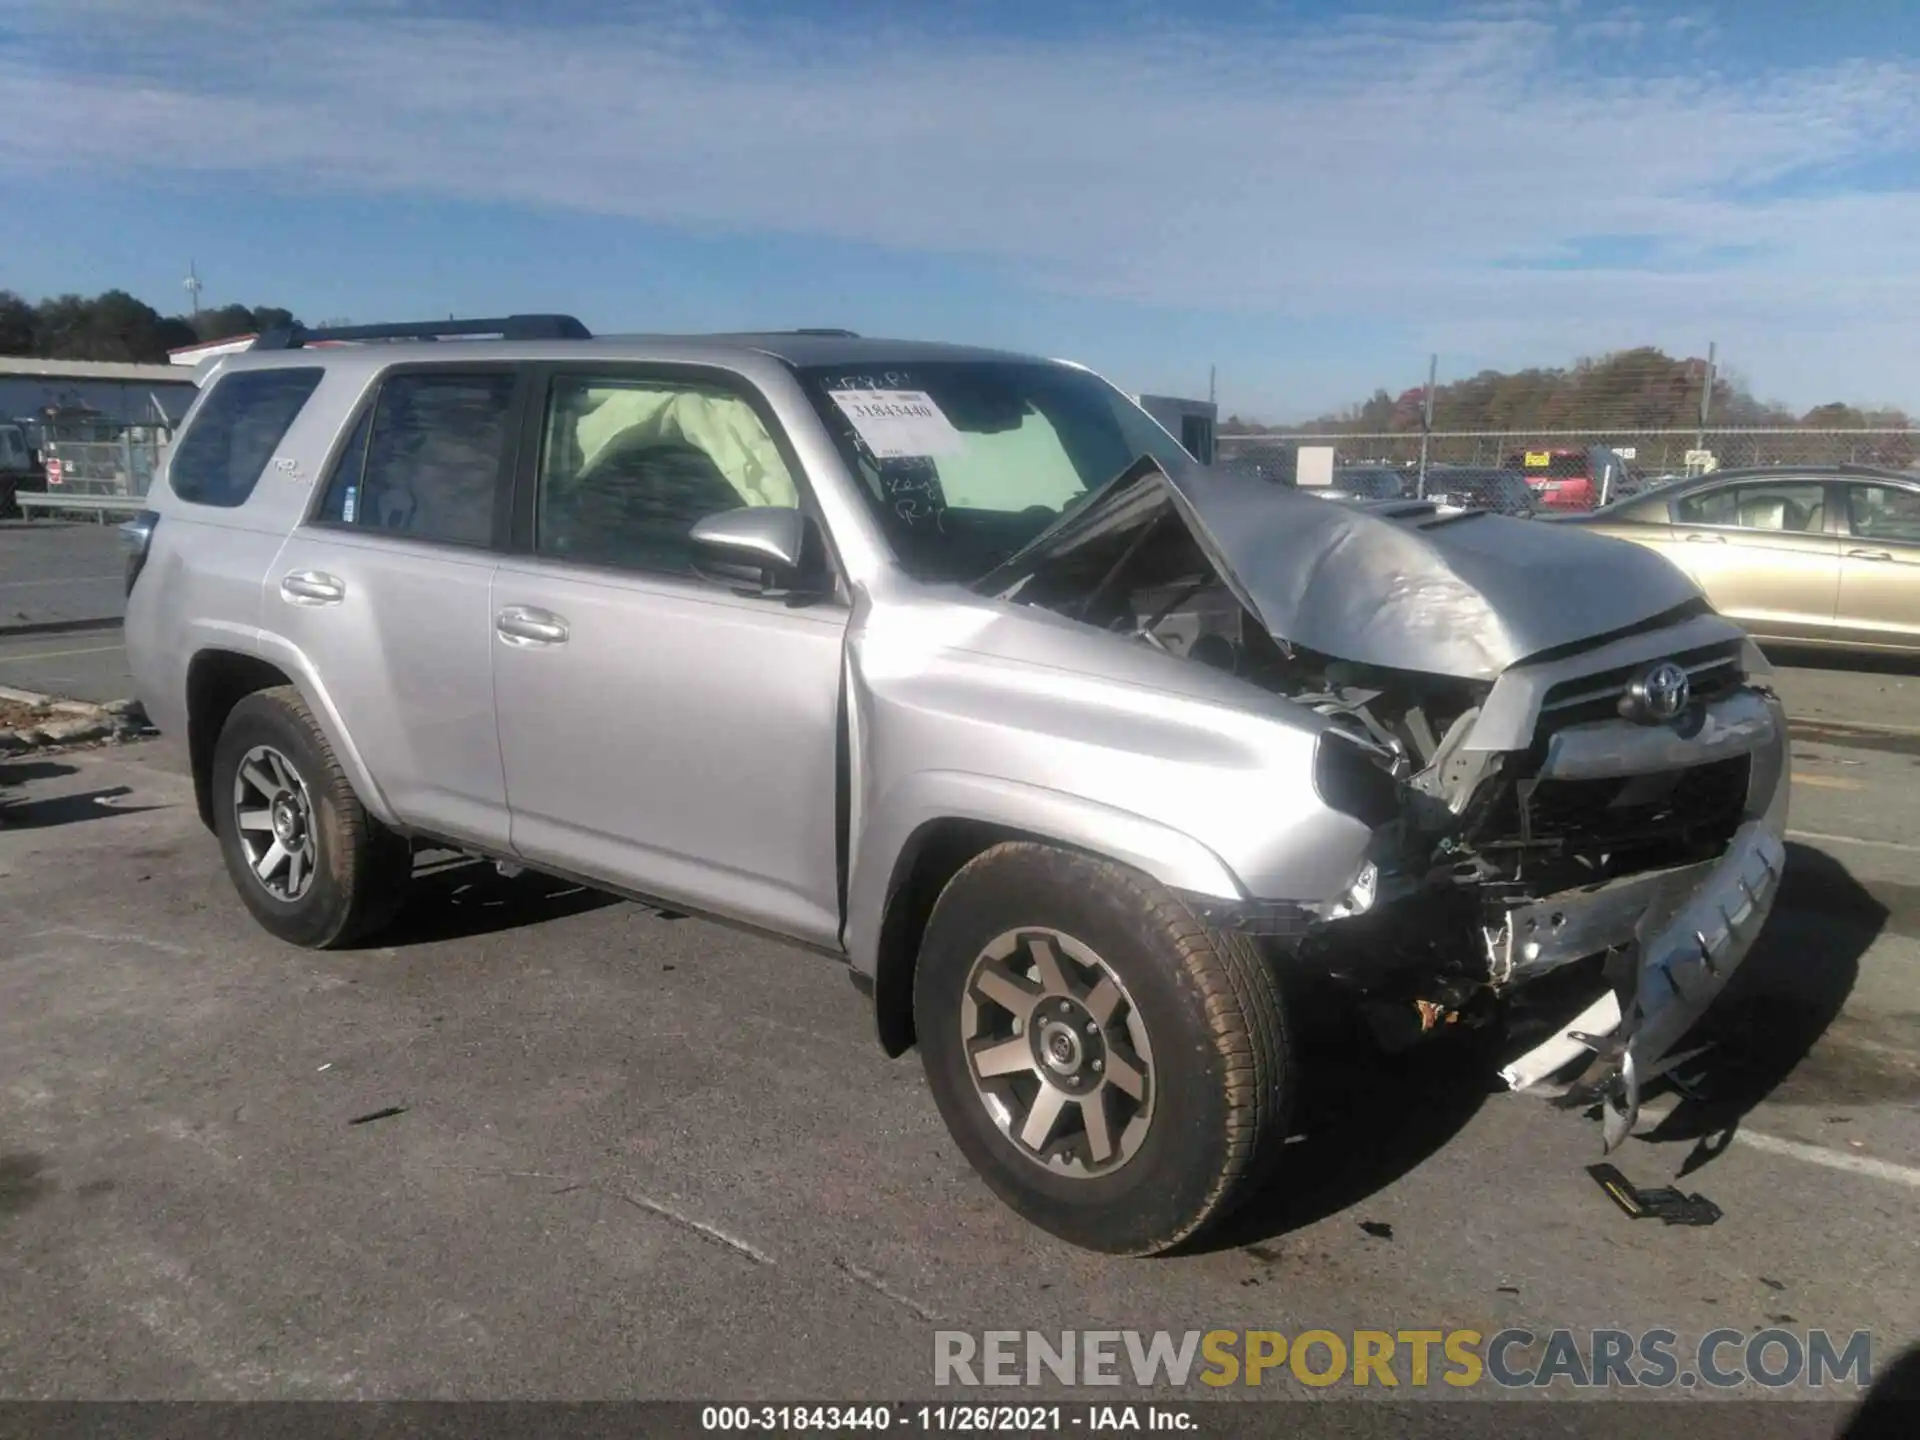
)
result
[(917, 512)]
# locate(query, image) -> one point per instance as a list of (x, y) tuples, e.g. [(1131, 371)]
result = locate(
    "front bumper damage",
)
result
[(1684, 931)]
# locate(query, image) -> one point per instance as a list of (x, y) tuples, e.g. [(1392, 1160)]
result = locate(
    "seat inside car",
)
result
[(637, 503), (1777, 512)]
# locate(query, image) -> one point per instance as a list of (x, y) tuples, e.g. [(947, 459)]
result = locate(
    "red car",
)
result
[(1570, 479)]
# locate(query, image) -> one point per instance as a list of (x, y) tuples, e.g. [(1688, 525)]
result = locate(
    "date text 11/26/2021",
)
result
[(959, 1419)]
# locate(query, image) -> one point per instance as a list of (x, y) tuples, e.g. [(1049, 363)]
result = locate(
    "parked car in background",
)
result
[(952, 666), (1371, 482), (1571, 479), (1560, 479), (1632, 484), (19, 467), (1825, 556), (1504, 492)]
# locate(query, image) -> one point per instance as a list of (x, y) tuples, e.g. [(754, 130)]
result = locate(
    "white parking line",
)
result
[(27, 655), (1825, 839), (1833, 1159), (1652, 1115), (59, 580)]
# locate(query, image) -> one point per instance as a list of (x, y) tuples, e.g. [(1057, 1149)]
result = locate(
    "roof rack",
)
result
[(506, 327)]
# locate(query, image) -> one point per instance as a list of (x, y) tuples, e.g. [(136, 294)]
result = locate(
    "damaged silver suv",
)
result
[(952, 665)]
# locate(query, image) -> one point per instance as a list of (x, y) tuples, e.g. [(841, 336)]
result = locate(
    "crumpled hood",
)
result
[(1397, 584)]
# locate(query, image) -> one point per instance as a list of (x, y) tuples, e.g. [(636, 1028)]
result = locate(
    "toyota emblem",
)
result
[(1659, 694)]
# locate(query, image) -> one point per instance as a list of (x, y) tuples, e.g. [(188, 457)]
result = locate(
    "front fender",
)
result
[(889, 841)]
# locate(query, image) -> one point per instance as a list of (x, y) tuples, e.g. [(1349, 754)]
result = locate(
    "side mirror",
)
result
[(761, 548)]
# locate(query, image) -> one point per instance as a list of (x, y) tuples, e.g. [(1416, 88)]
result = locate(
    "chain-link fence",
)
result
[(122, 464), (1660, 414), (1647, 452)]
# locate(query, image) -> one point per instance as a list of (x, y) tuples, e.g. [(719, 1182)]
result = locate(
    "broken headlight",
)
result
[(1355, 779)]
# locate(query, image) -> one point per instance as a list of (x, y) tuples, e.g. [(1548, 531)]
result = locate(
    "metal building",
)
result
[(1191, 422)]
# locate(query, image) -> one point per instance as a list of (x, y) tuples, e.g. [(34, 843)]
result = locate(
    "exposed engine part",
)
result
[(1399, 1023), (1451, 772), (1197, 616)]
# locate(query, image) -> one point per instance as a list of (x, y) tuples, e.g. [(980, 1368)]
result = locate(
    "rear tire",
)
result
[(308, 860), (1119, 1074)]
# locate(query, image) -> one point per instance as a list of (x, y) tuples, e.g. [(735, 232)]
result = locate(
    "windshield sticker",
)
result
[(899, 424)]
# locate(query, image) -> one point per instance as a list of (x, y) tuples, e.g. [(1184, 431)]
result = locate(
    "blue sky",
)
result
[(1311, 196)]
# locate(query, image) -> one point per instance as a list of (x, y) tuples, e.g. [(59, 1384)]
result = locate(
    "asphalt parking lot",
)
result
[(542, 1144), (623, 1154), (62, 593)]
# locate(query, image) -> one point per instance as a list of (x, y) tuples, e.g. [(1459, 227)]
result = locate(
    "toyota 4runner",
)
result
[(952, 665)]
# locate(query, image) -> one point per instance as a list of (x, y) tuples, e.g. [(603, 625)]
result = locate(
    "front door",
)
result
[(663, 733), (386, 592)]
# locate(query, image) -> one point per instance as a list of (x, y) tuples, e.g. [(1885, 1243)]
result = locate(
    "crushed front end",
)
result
[(1569, 763), (1622, 807)]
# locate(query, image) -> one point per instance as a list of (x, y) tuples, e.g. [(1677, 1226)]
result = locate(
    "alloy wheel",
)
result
[(1058, 1052), (273, 816)]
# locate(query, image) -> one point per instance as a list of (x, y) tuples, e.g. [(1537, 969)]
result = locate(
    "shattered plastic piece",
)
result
[(1664, 1203), (1600, 1018)]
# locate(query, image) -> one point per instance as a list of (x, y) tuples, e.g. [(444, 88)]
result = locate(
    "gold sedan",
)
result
[(1817, 556)]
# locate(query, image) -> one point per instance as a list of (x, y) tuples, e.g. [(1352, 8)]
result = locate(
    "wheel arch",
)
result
[(219, 679), (932, 825)]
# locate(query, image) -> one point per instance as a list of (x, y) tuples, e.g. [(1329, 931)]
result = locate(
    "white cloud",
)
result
[(1375, 168), (1624, 27)]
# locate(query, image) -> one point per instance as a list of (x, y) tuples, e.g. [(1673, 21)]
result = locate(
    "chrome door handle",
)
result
[(1869, 554), (529, 625), (1708, 539), (312, 587)]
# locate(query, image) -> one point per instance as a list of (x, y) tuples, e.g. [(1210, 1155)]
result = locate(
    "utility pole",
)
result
[(192, 284), (1213, 374), (1706, 397), (1426, 421)]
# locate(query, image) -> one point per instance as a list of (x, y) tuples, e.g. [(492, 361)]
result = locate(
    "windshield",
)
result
[(963, 462)]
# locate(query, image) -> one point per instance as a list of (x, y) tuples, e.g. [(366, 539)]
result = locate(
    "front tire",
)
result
[(308, 860), (1119, 1074)]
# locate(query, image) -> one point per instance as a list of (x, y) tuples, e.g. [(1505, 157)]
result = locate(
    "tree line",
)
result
[(1642, 389), (115, 326)]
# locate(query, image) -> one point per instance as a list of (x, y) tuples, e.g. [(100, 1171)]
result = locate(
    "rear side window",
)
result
[(1884, 512), (425, 461), (226, 449)]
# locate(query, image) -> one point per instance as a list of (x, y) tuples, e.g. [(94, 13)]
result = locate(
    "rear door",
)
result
[(665, 733), (1880, 564), (386, 591), (1762, 551)]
